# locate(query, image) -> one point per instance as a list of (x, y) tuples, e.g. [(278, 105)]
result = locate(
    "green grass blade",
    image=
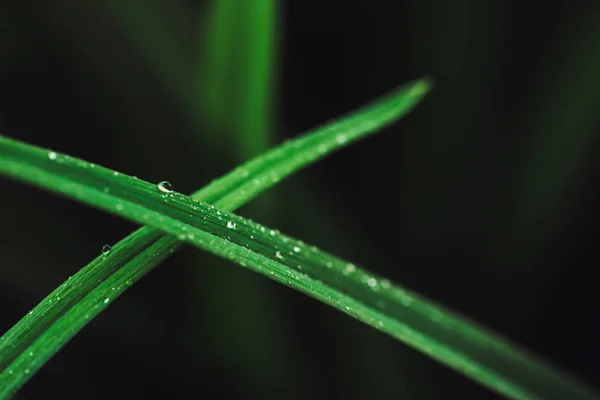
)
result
[(146, 247), (442, 335), (235, 91), (239, 94), (216, 73)]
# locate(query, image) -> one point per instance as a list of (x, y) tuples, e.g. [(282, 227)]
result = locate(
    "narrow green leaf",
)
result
[(235, 90), (238, 70), (146, 248), (442, 335), (216, 76)]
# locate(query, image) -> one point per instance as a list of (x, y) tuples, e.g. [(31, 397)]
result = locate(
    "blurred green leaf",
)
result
[(555, 145), (234, 95)]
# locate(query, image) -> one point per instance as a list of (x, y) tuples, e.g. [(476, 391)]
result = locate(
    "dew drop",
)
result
[(30, 312), (129, 282), (278, 255), (106, 300), (329, 264), (372, 282), (231, 225), (27, 371), (406, 300), (165, 187), (348, 269), (272, 232), (341, 138), (297, 249), (10, 372), (52, 155), (106, 249), (119, 207)]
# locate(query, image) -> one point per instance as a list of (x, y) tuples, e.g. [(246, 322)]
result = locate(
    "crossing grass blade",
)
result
[(406, 316), (141, 251)]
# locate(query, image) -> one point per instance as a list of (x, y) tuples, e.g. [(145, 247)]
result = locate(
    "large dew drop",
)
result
[(106, 249), (231, 225), (349, 269), (165, 187)]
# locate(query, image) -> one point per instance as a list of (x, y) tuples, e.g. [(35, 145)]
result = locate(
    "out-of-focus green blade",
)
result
[(235, 96), (146, 248), (556, 144), (236, 85), (444, 336)]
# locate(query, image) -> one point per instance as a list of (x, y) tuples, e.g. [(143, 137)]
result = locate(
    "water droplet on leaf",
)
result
[(231, 225), (165, 187), (341, 138), (52, 155), (106, 249), (348, 269)]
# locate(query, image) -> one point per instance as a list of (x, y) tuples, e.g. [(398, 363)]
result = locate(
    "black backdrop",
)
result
[(483, 199)]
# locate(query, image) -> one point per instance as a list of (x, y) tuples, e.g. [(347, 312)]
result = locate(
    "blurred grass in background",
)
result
[(492, 182)]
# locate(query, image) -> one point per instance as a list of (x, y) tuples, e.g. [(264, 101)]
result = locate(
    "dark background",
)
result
[(485, 198)]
